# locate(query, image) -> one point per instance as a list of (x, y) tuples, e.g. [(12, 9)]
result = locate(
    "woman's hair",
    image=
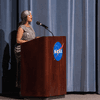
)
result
[(24, 15)]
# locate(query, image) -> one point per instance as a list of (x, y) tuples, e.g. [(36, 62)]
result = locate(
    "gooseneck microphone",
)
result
[(38, 23)]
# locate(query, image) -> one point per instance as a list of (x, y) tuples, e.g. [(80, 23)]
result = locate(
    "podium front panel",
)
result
[(41, 74)]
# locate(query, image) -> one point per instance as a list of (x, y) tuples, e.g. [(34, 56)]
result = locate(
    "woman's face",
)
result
[(29, 18)]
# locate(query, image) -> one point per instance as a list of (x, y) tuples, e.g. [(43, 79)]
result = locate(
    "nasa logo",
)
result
[(58, 51)]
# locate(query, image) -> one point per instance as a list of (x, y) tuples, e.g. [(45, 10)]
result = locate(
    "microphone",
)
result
[(38, 23)]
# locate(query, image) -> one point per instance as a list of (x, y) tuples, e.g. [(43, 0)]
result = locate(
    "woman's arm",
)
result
[(19, 36)]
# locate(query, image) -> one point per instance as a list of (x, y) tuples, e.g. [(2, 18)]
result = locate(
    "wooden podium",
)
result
[(41, 74)]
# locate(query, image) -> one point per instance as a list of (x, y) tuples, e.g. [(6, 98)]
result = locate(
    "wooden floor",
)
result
[(63, 97)]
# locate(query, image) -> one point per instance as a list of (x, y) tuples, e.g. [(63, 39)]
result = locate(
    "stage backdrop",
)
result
[(74, 19)]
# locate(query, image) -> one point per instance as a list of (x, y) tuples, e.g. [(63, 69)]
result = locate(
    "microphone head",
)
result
[(38, 23)]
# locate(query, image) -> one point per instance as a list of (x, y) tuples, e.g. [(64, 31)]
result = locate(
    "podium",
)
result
[(41, 74)]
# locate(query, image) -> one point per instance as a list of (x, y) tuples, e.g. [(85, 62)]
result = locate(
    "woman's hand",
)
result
[(37, 37)]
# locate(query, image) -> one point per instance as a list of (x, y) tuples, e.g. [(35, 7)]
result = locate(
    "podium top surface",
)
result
[(52, 36)]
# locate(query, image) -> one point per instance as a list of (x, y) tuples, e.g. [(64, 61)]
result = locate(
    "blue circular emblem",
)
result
[(58, 51)]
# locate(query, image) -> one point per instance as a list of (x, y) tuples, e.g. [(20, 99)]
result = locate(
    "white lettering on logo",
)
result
[(58, 51)]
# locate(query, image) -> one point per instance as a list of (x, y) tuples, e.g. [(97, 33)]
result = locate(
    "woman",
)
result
[(25, 33)]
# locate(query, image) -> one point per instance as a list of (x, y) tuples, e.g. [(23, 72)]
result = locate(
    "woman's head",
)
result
[(26, 16)]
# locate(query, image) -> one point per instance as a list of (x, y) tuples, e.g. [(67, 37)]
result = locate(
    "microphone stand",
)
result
[(44, 31), (49, 31)]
